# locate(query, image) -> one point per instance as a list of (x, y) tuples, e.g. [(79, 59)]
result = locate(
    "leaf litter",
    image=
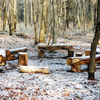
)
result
[(59, 84)]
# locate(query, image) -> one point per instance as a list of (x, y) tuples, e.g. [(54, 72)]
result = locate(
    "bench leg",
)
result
[(3, 63), (70, 53), (40, 53), (87, 52), (76, 68), (23, 58)]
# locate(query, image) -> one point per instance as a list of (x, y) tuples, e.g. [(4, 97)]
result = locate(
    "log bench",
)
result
[(9, 55), (76, 62), (42, 47)]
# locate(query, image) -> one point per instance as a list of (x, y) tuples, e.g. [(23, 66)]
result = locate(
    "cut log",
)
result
[(15, 51), (81, 60), (40, 52), (11, 57), (87, 52), (70, 53), (23, 58), (32, 69)]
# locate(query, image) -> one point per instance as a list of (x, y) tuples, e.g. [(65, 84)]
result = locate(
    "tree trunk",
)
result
[(15, 7), (91, 72), (67, 17), (0, 16), (31, 13), (54, 21), (4, 15), (10, 30), (43, 17), (12, 16), (35, 21), (25, 19)]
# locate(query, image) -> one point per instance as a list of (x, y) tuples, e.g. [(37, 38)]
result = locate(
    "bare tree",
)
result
[(91, 72)]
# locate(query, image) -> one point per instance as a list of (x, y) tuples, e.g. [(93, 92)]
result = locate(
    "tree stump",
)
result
[(87, 52), (40, 53), (23, 58), (70, 53)]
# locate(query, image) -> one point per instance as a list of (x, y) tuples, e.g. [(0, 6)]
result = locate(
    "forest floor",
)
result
[(59, 84)]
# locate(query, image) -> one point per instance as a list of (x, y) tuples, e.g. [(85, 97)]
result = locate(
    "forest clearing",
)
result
[(49, 49), (59, 84)]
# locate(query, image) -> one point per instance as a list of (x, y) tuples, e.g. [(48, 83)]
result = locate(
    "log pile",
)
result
[(74, 62)]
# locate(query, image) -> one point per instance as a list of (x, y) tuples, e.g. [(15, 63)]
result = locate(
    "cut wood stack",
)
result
[(74, 62)]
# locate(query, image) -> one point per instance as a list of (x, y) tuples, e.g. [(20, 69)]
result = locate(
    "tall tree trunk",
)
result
[(0, 16), (35, 21), (4, 15), (12, 16), (54, 21), (67, 17), (43, 28), (31, 13), (10, 30), (25, 18), (91, 72), (15, 7)]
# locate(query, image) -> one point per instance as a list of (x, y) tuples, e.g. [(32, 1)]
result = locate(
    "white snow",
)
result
[(59, 84)]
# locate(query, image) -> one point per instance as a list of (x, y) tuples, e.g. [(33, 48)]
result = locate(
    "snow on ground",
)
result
[(59, 84)]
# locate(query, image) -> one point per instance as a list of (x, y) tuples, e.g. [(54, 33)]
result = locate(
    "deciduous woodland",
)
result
[(49, 49)]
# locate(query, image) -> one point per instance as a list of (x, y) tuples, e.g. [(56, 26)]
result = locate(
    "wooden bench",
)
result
[(76, 62), (42, 47), (9, 55)]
